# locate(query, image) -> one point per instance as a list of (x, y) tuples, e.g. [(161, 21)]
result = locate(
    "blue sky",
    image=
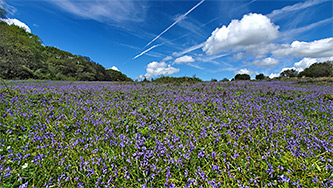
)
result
[(209, 39)]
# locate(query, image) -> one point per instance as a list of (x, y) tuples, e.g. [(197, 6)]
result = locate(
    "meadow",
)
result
[(210, 134)]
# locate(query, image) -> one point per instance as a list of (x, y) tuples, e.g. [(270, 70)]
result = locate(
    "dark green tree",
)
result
[(260, 76), (242, 77), (22, 56), (324, 69), (289, 73)]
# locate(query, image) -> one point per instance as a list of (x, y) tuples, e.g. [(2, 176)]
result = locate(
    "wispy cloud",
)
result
[(291, 33), (105, 11), (140, 54), (180, 18), (298, 6), (10, 9), (190, 49)]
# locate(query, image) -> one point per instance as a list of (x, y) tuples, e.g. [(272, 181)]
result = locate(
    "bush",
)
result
[(289, 73), (318, 70), (242, 77), (260, 76)]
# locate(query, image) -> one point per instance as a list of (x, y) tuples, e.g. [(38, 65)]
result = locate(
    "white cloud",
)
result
[(115, 10), (295, 7), (158, 69), (167, 58), (245, 71), (10, 9), (184, 59), (13, 21), (317, 48), (273, 75), (307, 62), (114, 68), (291, 33), (252, 29), (142, 53), (190, 49), (267, 62)]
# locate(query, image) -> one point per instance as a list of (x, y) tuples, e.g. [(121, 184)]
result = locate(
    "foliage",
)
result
[(184, 79), (242, 77), (209, 134), (324, 69), (260, 76), (24, 57), (213, 80), (289, 73)]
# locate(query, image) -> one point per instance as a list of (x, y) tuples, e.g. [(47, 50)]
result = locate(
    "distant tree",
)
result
[(289, 73), (318, 70), (260, 76), (213, 80), (184, 79), (242, 77), (224, 80)]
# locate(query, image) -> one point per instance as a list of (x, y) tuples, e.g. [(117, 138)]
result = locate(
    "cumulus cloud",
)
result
[(252, 29), (307, 62), (274, 75), (158, 69), (184, 59), (317, 48), (115, 10), (13, 21), (245, 71), (114, 68), (267, 62)]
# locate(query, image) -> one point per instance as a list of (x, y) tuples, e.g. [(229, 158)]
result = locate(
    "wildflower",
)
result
[(25, 165)]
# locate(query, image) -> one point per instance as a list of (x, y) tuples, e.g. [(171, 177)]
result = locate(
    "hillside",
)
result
[(23, 56)]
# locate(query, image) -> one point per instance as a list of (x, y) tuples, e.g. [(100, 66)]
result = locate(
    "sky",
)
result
[(209, 39)]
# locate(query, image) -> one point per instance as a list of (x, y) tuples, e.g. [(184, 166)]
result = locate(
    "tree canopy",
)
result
[(289, 73), (260, 76), (324, 69), (242, 77), (24, 57)]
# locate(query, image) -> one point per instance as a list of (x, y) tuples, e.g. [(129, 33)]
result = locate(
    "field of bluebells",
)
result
[(211, 134)]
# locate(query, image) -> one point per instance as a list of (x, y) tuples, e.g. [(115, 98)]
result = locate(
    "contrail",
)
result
[(147, 50), (180, 18)]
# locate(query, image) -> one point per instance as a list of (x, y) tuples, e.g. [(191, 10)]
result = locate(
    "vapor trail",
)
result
[(180, 18), (147, 50)]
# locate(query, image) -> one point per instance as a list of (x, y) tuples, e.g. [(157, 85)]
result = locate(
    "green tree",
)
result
[(21, 53), (289, 73), (22, 56), (242, 77), (324, 69), (260, 76)]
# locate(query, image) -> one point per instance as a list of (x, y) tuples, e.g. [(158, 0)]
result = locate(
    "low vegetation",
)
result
[(209, 134)]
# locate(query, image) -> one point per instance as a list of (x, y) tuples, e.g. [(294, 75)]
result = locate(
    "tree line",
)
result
[(316, 70)]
